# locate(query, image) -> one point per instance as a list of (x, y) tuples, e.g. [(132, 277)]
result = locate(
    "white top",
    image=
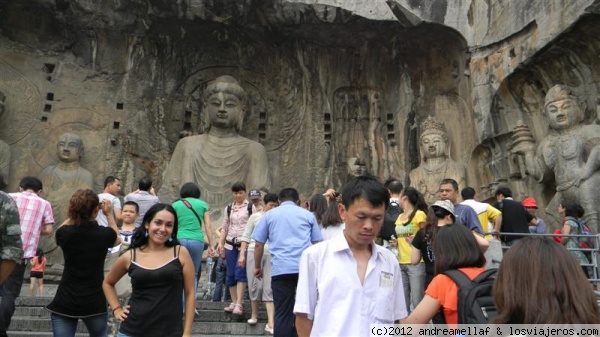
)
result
[(330, 293), (331, 232), (116, 204)]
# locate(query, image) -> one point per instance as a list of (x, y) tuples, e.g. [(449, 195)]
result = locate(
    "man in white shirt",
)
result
[(112, 186), (348, 283)]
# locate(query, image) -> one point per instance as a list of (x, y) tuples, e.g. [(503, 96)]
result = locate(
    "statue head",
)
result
[(69, 147), (434, 139), (224, 100), (357, 167), (562, 107)]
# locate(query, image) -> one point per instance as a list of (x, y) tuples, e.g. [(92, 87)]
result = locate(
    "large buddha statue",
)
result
[(570, 152), (4, 151), (436, 163), (216, 159), (60, 181)]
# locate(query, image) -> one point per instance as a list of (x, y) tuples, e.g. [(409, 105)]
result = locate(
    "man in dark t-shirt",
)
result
[(515, 218)]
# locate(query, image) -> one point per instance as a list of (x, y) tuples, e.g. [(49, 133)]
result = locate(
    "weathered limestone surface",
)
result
[(327, 80)]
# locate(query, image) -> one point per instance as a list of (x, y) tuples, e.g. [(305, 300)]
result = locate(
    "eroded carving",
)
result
[(60, 181), (4, 151), (570, 152), (436, 163)]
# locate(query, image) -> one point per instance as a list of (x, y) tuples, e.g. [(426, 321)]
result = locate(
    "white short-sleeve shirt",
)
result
[(330, 293)]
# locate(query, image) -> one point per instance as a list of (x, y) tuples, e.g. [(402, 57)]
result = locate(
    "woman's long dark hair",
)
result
[(455, 247), (416, 199), (540, 282), (318, 205), (140, 237), (434, 214), (40, 254), (331, 217)]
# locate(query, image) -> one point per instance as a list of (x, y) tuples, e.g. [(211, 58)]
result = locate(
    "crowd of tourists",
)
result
[(370, 253)]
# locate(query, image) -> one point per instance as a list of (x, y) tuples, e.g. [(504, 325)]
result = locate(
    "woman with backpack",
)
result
[(545, 287), (455, 248), (235, 219), (571, 225)]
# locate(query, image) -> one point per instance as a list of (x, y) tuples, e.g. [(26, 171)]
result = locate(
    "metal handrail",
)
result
[(593, 253)]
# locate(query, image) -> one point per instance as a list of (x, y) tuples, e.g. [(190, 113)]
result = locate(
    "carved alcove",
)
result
[(570, 60)]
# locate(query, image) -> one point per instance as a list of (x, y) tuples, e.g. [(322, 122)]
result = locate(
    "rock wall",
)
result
[(328, 81)]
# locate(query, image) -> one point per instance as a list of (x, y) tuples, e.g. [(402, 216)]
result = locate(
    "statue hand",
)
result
[(581, 176)]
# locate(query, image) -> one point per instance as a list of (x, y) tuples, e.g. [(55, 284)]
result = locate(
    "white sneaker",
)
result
[(252, 321), (268, 329)]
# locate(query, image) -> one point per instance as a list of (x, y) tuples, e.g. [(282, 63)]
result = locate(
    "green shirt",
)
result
[(188, 227)]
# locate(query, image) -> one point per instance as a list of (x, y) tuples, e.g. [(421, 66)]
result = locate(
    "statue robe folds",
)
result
[(214, 164)]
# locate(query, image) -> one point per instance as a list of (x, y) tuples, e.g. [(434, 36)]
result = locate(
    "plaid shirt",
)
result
[(35, 212)]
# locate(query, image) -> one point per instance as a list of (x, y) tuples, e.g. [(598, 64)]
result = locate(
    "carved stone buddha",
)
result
[(436, 163), (221, 156)]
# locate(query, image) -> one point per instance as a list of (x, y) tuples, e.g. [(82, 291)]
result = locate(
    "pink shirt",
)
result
[(34, 213), (235, 224)]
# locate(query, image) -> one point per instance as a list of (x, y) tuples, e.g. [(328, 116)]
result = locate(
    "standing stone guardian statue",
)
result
[(570, 152), (221, 156), (436, 164)]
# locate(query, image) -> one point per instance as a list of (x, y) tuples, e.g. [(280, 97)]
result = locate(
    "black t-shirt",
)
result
[(84, 247), (423, 245)]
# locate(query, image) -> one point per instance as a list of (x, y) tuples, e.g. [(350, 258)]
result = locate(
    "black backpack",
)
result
[(249, 210), (475, 299), (389, 222)]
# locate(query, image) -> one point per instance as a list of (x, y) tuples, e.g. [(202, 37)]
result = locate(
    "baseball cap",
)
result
[(254, 194), (447, 205), (530, 203)]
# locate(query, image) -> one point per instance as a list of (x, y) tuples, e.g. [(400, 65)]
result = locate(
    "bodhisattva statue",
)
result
[(356, 167), (4, 151), (571, 151), (436, 163), (216, 159), (60, 181)]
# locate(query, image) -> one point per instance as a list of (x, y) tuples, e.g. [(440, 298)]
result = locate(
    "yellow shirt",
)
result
[(405, 235)]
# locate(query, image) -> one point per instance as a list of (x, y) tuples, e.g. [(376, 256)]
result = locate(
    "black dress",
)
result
[(156, 304)]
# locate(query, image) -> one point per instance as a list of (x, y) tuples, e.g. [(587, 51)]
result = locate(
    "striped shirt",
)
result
[(34, 212)]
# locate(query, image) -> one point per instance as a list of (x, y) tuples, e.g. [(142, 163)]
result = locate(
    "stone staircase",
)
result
[(31, 319)]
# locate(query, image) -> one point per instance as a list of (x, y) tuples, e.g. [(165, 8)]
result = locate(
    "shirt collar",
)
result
[(339, 243)]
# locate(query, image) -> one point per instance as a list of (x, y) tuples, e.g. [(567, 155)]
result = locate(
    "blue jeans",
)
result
[(235, 273), (413, 281), (63, 326), (120, 334), (220, 288), (196, 248)]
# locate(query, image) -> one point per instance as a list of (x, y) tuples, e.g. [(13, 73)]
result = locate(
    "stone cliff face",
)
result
[(327, 81)]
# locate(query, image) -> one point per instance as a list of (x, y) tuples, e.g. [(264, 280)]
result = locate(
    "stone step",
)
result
[(26, 301), (36, 325), (205, 315), (49, 334)]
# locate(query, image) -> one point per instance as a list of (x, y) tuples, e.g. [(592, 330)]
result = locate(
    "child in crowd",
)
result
[(38, 265), (129, 213)]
